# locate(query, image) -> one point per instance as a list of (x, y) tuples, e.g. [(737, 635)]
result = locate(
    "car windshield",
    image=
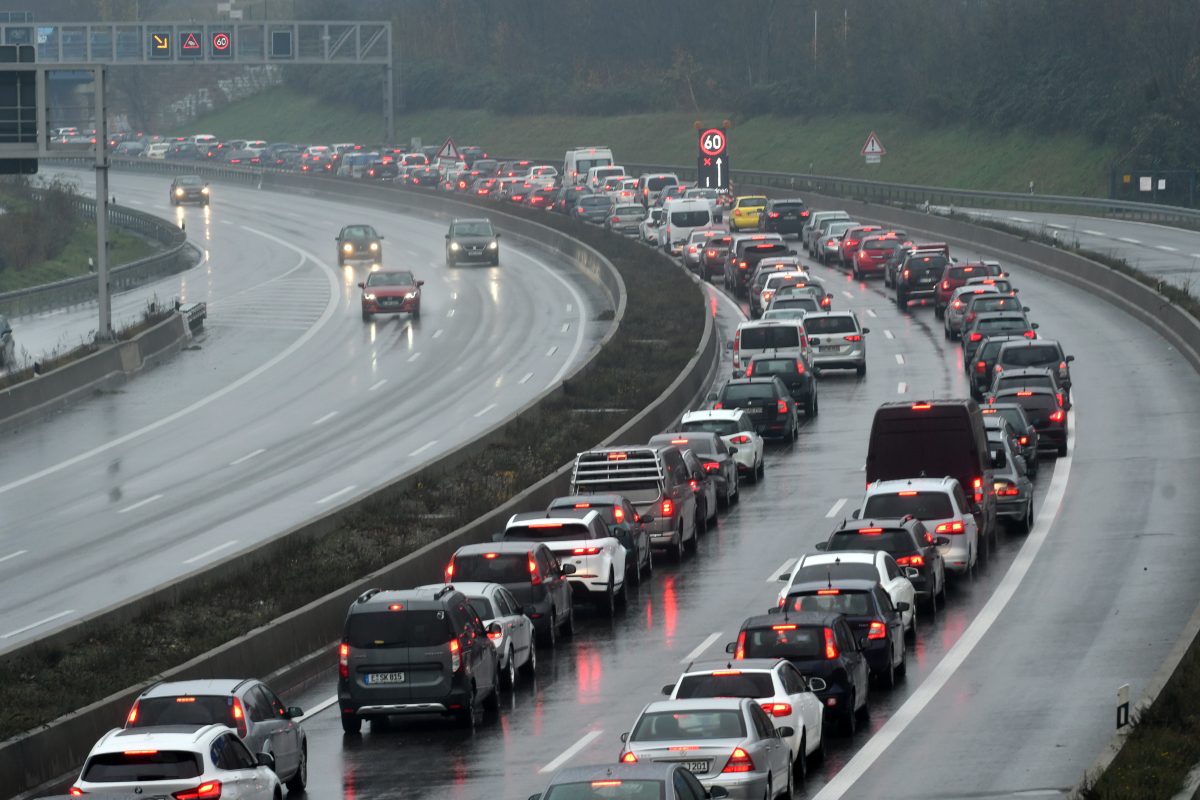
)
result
[(922, 505), (184, 709), (359, 232), (689, 219), (736, 394), (669, 726), (839, 601), (189, 180), (390, 279), (401, 628), (726, 683), (1031, 356), (607, 789), (893, 540), (815, 326), (833, 571), (785, 641), (492, 567), (142, 765), (547, 531), (1002, 324), (472, 229), (721, 427), (767, 337), (482, 606)]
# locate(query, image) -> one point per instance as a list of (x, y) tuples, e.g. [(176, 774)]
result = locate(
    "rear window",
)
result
[(545, 532), (730, 683), (503, 568), (690, 725), (161, 765), (962, 273), (769, 337), (805, 303), (1032, 356), (928, 262), (844, 602), (400, 628), (922, 505), (721, 427), (890, 540), (774, 366), (738, 393), (1001, 324), (690, 219), (630, 211), (785, 641), (886, 245), (1020, 381), (584, 164), (832, 572), (1015, 417), (483, 607), (788, 207), (184, 710), (821, 325), (1037, 402), (657, 184)]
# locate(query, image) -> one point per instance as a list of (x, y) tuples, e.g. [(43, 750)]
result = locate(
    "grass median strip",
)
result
[(655, 341)]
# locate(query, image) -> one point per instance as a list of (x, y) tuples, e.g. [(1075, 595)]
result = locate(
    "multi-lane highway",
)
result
[(1009, 693), (286, 406)]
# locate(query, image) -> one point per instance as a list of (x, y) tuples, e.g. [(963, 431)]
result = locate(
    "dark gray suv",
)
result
[(416, 651), (472, 240)]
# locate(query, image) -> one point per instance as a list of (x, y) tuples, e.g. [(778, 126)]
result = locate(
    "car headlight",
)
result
[(455, 246), (204, 190), (493, 245), (368, 296), (347, 248), (178, 192), (410, 296), (374, 246)]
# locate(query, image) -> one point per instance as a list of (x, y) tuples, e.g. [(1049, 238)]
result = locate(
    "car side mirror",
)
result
[(381, 238), (362, 285), (817, 685), (624, 737), (789, 252), (854, 514), (495, 628), (266, 760), (711, 397), (530, 611), (731, 647), (1025, 308), (1069, 359), (1015, 290), (718, 793), (295, 712), (497, 236), (737, 373), (1033, 325), (822, 546), (784, 731), (447, 236), (912, 572), (567, 569), (668, 689), (785, 577), (902, 606), (420, 283)]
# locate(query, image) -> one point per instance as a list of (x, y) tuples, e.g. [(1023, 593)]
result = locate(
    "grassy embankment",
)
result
[(918, 153)]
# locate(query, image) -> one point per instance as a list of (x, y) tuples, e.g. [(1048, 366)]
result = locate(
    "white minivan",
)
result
[(579, 160), (680, 218), (596, 176)]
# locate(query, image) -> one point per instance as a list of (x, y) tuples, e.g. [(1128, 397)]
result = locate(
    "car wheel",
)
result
[(863, 712), (351, 723), (818, 755), (1062, 449), (861, 370), (849, 720), (417, 311), (939, 311), (723, 499), (931, 607), (854, 271), (469, 716), (623, 593), (787, 792), (451, 261), (496, 261), (800, 765), (902, 670), (508, 678), (568, 629), (810, 406), (737, 488), (299, 778), (492, 703), (608, 603), (677, 549), (901, 302), (549, 637), (762, 469), (888, 678), (701, 524), (530, 665), (911, 632), (941, 595)]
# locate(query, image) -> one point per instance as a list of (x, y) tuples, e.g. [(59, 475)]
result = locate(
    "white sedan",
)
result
[(872, 565), (736, 427)]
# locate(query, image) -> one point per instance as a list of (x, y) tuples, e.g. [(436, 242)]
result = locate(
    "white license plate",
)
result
[(696, 767), (754, 412), (385, 677), (830, 348)]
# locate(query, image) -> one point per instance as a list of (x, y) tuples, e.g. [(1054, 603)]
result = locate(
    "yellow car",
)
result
[(747, 210)]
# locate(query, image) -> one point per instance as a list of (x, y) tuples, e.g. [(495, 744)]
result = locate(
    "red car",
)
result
[(954, 276), (851, 240), (396, 292), (873, 256)]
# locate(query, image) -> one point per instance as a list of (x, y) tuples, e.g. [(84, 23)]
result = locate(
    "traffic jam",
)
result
[(946, 481)]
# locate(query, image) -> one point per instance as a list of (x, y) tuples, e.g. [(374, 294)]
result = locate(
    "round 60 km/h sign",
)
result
[(712, 142)]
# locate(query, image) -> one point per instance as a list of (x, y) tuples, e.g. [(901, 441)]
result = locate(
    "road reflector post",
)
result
[(1122, 706)]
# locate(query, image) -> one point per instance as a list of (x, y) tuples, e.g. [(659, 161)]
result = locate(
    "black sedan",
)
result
[(784, 216), (189, 189), (905, 540), (359, 242)]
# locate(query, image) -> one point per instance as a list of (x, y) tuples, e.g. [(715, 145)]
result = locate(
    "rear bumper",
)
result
[(956, 554), (1012, 507), (852, 359)]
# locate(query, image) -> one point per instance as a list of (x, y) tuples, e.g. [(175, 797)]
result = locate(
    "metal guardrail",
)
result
[(83, 289)]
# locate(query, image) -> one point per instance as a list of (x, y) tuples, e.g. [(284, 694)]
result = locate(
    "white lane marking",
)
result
[(423, 448), (414, 356), (450, 313), (569, 308), (700, 648), (377, 384), (901, 387), (335, 495), (1166, 248), (888, 335), (848, 295), (1056, 225), (832, 512), (1194, 255), (780, 570), (871, 312), (566, 326), (1020, 219), (38, 624), (525, 379), (324, 419), (552, 351), (570, 752), (11, 556), (941, 674), (1094, 233), (140, 503), (484, 410), (136, 203), (211, 551), (437, 334), (1127, 240), (247, 457), (579, 329), (204, 401), (317, 709), (899, 358)]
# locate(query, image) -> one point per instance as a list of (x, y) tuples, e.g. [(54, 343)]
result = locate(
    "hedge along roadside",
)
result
[(33, 758)]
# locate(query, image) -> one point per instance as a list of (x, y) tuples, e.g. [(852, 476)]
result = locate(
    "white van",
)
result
[(204, 139), (651, 185), (680, 218), (579, 160), (596, 176), (158, 150), (781, 336)]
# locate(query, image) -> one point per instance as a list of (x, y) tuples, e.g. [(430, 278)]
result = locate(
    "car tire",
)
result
[(701, 524), (861, 370), (762, 470), (940, 597), (1026, 523), (723, 499), (677, 549), (496, 261), (451, 261), (469, 716), (818, 755), (530, 665), (810, 406), (911, 632), (737, 488), (901, 302), (366, 315), (931, 607), (508, 678), (800, 765), (902, 670), (939, 311), (849, 720), (888, 678), (623, 594), (1062, 450), (608, 601), (857, 275), (568, 628), (299, 778), (492, 703), (416, 311), (351, 723), (549, 637)]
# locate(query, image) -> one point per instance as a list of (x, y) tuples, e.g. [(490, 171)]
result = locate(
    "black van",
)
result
[(934, 439)]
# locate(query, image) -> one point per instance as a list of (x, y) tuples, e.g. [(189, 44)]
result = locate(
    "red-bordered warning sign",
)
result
[(873, 147)]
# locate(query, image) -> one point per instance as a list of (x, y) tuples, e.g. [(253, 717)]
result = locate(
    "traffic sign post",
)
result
[(712, 162), (873, 149)]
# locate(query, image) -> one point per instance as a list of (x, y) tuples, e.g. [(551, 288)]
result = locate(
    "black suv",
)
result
[(794, 370), (917, 276), (416, 651), (785, 216), (905, 540), (767, 401), (472, 240), (820, 645)]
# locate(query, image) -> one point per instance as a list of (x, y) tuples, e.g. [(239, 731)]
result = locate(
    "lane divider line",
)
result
[(832, 512), (377, 384), (414, 356), (525, 379), (899, 359), (423, 448), (484, 410), (700, 648), (211, 551), (324, 419), (566, 326), (552, 351), (1095, 233), (888, 335), (247, 457), (450, 313), (570, 752), (1127, 240), (437, 334), (335, 495), (782, 568), (11, 556), (901, 387), (140, 504), (38, 624), (1167, 248), (871, 312)]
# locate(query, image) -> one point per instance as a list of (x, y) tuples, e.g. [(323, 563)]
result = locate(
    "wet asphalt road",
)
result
[(1009, 693), (286, 406)]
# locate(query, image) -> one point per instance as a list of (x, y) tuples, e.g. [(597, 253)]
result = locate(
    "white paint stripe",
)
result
[(38, 624), (324, 419), (888, 335), (1167, 249), (782, 568), (552, 351), (247, 457), (570, 752), (450, 313), (211, 551), (317, 709), (136, 203), (569, 308), (330, 307), (941, 674), (1127, 240), (899, 358), (528, 375), (700, 648), (484, 410), (437, 334), (423, 448), (1194, 255), (414, 356), (832, 512), (1094, 233), (901, 387), (335, 495), (579, 329), (377, 384), (140, 503), (871, 312), (566, 326), (848, 295), (11, 556), (1056, 225), (1020, 219)]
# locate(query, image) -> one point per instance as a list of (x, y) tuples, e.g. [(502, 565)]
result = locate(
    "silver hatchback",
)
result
[(838, 341), (626, 219)]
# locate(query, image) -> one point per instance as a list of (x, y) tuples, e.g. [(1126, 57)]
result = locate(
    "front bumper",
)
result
[(381, 306), (472, 254)]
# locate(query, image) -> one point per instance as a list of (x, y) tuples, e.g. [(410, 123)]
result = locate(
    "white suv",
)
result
[(736, 427), (779, 688), (871, 565), (940, 504), (582, 538), (205, 762)]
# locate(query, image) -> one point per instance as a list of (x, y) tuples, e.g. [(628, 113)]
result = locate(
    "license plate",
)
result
[(696, 767), (385, 677), (829, 348), (754, 412), (927, 280)]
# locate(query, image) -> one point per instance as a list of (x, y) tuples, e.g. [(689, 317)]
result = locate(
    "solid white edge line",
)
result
[(247, 457), (11, 556), (211, 551), (377, 384), (1127, 240), (38, 624), (901, 387), (335, 495), (324, 419), (525, 379), (484, 410), (871, 312), (700, 648), (832, 512), (570, 752), (423, 448), (870, 752), (317, 709), (1094, 233), (782, 568), (414, 356), (140, 503), (437, 333)]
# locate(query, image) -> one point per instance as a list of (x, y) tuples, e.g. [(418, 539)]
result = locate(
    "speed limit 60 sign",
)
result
[(712, 163)]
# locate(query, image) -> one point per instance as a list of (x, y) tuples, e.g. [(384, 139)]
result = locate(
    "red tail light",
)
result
[(911, 561), (535, 577), (450, 571), (877, 630), (774, 215), (905, 273), (586, 551), (831, 650), (975, 337), (740, 651), (455, 657), (778, 709), (741, 439), (496, 635), (854, 337), (750, 370), (1030, 334), (957, 304), (871, 531), (344, 661), (695, 484), (921, 406), (133, 715), (945, 285), (210, 790), (977, 485), (668, 508), (76, 792), (799, 367), (851, 243), (781, 407), (950, 527), (740, 761), (742, 265), (1006, 489), (826, 301), (718, 405), (629, 758), (239, 718), (1058, 416), (711, 253), (711, 466)]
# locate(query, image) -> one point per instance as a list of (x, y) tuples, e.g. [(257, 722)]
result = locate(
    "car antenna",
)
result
[(829, 578)]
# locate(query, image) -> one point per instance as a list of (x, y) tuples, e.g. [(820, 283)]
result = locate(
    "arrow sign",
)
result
[(720, 161), (160, 45)]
